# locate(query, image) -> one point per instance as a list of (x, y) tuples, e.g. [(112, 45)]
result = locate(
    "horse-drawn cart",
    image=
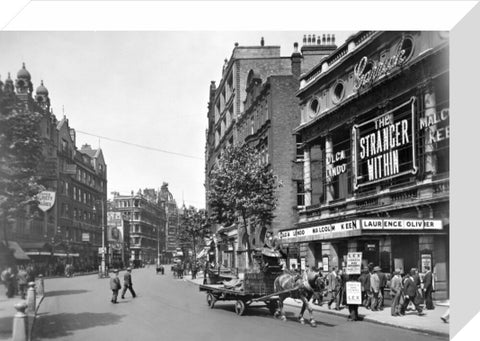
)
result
[(255, 287)]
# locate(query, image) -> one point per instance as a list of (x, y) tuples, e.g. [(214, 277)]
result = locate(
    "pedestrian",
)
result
[(383, 283), (411, 292), (375, 288), (341, 297), (332, 287), (365, 282), (8, 279), (446, 317), (428, 288), (127, 283), (115, 286), (396, 292), (22, 280), (352, 308)]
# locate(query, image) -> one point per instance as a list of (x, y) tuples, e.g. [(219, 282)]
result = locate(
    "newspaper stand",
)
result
[(257, 287)]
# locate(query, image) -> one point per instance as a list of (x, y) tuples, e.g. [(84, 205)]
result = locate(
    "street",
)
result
[(79, 308)]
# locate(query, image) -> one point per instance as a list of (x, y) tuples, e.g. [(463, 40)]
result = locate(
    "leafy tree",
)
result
[(20, 156), (194, 227), (242, 190)]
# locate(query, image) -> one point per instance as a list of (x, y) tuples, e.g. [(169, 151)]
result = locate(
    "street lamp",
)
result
[(102, 272)]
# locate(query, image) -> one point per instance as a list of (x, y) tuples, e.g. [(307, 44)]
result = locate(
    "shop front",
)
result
[(389, 243)]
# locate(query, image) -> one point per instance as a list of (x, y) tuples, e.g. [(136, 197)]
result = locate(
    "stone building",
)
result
[(147, 224), (375, 135), (255, 103), (171, 209)]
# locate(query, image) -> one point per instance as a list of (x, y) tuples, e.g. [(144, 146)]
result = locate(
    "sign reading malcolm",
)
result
[(354, 263), (46, 200), (384, 147)]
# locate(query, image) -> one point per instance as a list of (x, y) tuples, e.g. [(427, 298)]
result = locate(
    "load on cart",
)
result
[(268, 283)]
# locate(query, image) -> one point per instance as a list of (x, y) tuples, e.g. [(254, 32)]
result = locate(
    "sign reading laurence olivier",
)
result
[(384, 147)]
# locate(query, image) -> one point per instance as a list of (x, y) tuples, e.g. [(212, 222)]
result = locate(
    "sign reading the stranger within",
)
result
[(46, 199), (384, 147), (354, 263), (354, 292)]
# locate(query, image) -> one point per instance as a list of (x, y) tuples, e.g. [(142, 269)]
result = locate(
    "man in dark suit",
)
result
[(410, 290), (383, 283), (115, 286), (127, 283), (428, 288)]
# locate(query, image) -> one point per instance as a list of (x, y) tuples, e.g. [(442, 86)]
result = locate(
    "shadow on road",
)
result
[(6, 324), (64, 292), (65, 324)]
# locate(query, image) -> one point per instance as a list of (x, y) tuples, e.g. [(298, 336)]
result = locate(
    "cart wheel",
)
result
[(272, 306), (210, 300), (240, 307)]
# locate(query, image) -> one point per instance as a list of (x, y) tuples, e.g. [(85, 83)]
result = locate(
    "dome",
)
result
[(42, 90), (23, 73)]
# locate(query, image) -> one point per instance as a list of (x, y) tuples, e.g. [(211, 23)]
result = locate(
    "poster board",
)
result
[(302, 263), (354, 263), (426, 261), (325, 264), (293, 263), (354, 292)]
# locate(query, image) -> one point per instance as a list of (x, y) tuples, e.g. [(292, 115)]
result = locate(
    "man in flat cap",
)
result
[(115, 286), (127, 283)]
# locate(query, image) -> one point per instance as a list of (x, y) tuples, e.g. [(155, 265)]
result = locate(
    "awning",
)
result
[(18, 252)]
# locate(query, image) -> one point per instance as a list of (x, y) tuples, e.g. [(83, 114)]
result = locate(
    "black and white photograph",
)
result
[(201, 183)]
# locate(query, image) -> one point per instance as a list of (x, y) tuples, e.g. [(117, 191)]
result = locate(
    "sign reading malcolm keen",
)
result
[(355, 227)]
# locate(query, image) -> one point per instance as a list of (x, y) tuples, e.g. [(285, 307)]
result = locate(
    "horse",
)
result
[(299, 287)]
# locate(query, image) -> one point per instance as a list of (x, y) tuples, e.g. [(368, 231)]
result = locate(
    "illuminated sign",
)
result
[(384, 147)]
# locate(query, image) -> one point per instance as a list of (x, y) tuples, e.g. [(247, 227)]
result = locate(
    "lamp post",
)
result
[(102, 272)]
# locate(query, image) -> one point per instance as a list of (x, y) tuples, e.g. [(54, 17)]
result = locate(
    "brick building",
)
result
[(375, 135), (69, 231), (255, 103)]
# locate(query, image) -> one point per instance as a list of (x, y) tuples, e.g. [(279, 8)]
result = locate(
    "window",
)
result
[(314, 107), (338, 91), (299, 151), (252, 125), (300, 193)]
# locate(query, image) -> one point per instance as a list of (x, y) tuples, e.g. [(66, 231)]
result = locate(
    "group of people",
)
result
[(115, 285), (16, 280), (405, 289)]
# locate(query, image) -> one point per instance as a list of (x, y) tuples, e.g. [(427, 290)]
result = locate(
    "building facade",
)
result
[(375, 135), (255, 103), (172, 218), (70, 231), (147, 224)]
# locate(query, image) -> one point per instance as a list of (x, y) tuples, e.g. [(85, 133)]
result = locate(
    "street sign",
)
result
[(46, 200), (354, 263)]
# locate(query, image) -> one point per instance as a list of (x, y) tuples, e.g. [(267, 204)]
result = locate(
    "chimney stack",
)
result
[(262, 42), (296, 59)]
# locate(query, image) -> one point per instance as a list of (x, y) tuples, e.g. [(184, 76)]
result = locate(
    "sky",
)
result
[(145, 88)]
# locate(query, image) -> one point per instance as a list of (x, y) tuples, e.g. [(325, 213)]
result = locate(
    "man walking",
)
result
[(428, 287), (375, 288), (127, 283), (396, 292), (115, 286), (383, 283), (332, 287), (410, 289), (22, 281)]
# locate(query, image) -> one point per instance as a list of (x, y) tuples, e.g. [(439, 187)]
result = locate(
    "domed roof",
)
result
[(23, 73), (42, 90)]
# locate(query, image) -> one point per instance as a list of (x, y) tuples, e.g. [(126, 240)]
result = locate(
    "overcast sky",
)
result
[(145, 88)]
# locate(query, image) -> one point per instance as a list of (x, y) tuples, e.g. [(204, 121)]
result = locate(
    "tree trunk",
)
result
[(249, 247)]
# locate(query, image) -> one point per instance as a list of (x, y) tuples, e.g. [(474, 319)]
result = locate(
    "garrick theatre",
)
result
[(375, 136)]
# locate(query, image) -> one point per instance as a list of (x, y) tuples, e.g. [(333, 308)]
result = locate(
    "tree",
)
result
[(194, 227), (242, 189), (20, 157)]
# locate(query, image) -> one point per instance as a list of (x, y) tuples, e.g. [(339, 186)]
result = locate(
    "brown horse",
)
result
[(298, 287)]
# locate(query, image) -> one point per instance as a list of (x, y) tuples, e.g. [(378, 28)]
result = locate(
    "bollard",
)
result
[(40, 286), (31, 298), (20, 323)]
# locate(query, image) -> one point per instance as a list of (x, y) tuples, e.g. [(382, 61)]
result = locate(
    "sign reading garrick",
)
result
[(384, 147)]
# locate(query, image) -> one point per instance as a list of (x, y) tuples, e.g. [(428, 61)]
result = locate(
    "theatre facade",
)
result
[(375, 137)]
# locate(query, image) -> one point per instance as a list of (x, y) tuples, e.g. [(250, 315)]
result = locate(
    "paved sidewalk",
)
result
[(7, 311), (429, 323)]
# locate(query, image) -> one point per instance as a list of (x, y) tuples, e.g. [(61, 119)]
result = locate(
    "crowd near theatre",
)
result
[(375, 137)]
